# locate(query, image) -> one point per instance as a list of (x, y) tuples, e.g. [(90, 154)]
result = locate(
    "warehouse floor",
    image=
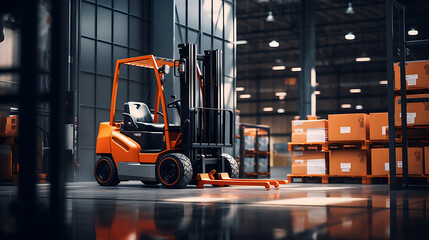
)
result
[(301, 211)]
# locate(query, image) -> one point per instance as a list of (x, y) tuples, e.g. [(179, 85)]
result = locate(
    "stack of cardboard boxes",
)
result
[(348, 128), (309, 162)]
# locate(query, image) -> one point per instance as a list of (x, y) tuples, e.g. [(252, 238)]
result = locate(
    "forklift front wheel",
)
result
[(174, 170), (231, 166), (105, 172)]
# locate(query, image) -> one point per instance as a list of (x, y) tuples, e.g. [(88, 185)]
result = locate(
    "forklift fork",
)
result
[(223, 179)]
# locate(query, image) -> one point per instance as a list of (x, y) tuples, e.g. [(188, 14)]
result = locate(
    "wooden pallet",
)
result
[(329, 178), (416, 132), (413, 178), (321, 146), (349, 145), (413, 91), (9, 179), (309, 178)]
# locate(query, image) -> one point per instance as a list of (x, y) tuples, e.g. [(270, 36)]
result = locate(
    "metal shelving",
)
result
[(391, 5)]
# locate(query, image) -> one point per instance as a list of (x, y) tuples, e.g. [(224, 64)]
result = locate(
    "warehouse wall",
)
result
[(107, 30), (211, 24)]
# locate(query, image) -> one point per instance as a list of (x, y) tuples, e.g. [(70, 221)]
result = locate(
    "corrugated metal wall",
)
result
[(107, 30)]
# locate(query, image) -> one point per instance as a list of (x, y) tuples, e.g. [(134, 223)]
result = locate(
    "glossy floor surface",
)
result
[(296, 211)]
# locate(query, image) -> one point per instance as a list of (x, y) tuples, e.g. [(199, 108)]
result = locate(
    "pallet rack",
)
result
[(255, 153), (403, 43)]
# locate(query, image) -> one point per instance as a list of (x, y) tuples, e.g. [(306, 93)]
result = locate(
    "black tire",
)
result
[(150, 183), (174, 170), (231, 166), (106, 172)]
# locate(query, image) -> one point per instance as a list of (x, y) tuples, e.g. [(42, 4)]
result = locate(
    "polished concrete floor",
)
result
[(295, 211)]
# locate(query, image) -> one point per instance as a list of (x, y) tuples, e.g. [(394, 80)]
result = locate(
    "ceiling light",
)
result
[(350, 9), (363, 59), (241, 42), (359, 107), (383, 82), (245, 96), (346, 105), (239, 89), (355, 90), (350, 36), (274, 43), (281, 94), (279, 68), (296, 69), (413, 32), (268, 109), (280, 110), (317, 92), (270, 17)]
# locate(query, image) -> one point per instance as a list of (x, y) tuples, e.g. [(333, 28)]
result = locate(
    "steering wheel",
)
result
[(173, 104)]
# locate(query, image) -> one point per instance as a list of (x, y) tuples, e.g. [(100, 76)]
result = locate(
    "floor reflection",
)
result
[(340, 212)]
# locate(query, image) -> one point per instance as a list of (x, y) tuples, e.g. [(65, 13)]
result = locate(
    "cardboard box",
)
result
[(348, 162), (12, 126), (417, 113), (380, 161), (309, 163), (348, 127), (426, 160), (309, 130), (416, 75), (378, 125)]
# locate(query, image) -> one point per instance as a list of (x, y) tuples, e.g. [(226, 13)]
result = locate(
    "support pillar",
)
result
[(307, 81)]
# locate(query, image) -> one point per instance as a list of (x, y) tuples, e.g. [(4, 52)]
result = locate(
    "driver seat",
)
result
[(137, 117)]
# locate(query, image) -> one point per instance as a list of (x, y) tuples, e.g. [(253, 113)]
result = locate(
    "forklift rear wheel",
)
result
[(174, 170), (231, 166), (150, 183), (106, 172)]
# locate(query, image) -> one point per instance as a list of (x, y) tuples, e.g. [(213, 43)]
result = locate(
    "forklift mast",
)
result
[(204, 128)]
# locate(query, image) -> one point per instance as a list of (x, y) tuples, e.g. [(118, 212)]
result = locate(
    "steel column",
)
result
[(57, 99), (390, 93), (403, 56), (307, 79), (27, 225)]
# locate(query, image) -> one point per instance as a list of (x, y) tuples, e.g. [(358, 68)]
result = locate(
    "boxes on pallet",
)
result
[(262, 143), (348, 162), (12, 126), (378, 125), (263, 163), (417, 113), (249, 164), (417, 75), (249, 142), (380, 161), (348, 127), (309, 163), (309, 131), (426, 160)]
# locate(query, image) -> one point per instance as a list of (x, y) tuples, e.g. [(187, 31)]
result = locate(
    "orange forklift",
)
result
[(142, 147)]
